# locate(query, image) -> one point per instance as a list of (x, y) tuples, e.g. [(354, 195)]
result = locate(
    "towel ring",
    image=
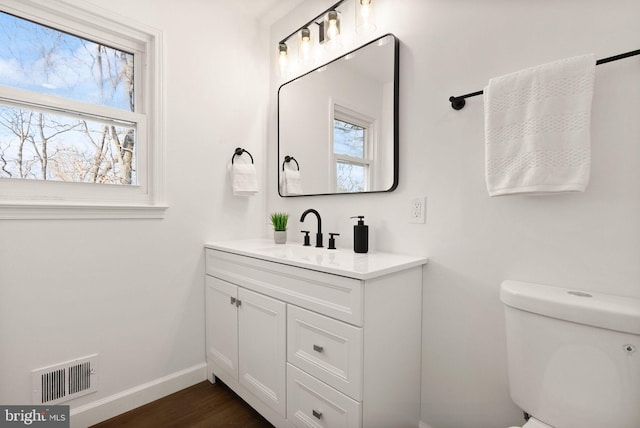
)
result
[(288, 159), (239, 151)]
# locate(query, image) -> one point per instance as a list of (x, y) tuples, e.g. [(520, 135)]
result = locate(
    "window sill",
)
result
[(10, 211)]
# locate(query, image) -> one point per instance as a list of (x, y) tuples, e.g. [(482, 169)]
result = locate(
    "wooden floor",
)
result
[(203, 405)]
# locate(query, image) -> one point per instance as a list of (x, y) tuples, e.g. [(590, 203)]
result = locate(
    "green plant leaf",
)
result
[(279, 220)]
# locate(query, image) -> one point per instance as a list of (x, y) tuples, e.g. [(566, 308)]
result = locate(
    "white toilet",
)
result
[(574, 357)]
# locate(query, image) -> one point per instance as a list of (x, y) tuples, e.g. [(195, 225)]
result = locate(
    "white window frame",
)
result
[(348, 114), (34, 199)]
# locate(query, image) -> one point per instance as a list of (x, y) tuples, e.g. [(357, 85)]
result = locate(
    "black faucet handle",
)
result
[(307, 239), (332, 240)]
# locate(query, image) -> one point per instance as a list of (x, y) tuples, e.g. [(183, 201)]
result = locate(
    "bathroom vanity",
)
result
[(315, 337)]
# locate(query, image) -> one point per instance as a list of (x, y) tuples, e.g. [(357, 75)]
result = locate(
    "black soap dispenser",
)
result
[(360, 236)]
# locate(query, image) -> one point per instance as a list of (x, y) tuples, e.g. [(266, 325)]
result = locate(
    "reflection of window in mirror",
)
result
[(353, 150)]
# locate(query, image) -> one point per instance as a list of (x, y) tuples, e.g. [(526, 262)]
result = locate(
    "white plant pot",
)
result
[(280, 236)]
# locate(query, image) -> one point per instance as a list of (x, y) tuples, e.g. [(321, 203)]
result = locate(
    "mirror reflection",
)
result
[(337, 125)]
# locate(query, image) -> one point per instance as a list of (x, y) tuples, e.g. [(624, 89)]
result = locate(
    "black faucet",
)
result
[(319, 234)]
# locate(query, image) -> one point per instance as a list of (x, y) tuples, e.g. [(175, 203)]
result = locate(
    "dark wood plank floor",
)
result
[(203, 405)]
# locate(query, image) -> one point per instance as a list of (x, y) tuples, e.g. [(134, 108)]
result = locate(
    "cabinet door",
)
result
[(262, 347), (222, 325)]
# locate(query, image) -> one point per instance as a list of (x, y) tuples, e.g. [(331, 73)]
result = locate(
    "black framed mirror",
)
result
[(338, 124)]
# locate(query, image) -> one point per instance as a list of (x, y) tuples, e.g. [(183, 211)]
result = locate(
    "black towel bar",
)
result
[(457, 103), (239, 151), (288, 159)]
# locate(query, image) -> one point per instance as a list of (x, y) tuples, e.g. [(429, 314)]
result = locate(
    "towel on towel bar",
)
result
[(290, 182), (244, 179), (537, 128)]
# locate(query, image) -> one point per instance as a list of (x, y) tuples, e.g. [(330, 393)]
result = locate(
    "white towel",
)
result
[(244, 179), (291, 182), (537, 128)]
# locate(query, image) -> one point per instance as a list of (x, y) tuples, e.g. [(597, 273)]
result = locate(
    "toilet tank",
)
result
[(573, 356)]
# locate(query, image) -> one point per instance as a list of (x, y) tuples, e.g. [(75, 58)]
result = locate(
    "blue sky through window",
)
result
[(48, 61), (348, 139)]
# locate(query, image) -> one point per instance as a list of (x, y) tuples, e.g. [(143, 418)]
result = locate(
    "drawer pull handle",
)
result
[(235, 301), (318, 348), (317, 414)]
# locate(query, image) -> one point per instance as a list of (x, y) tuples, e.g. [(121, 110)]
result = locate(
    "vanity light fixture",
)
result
[(282, 56), (365, 16), (329, 30)]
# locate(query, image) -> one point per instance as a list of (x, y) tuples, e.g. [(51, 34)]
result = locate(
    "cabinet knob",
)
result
[(318, 348), (233, 300), (317, 414)]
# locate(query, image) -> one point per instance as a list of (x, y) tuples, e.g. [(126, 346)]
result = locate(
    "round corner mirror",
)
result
[(338, 124)]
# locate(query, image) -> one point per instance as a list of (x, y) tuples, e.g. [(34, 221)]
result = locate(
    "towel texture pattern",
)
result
[(244, 179), (290, 182), (537, 128)]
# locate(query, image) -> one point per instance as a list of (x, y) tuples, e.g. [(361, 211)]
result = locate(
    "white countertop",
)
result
[(338, 262)]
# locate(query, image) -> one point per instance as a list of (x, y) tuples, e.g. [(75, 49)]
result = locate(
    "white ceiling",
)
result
[(267, 11)]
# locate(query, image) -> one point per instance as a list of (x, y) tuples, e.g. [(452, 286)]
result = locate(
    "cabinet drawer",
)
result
[(311, 403), (336, 296), (328, 349)]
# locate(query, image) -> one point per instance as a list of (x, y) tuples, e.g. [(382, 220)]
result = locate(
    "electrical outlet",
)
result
[(417, 210)]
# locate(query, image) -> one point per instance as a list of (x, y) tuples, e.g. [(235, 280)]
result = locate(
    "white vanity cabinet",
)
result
[(246, 337), (316, 338)]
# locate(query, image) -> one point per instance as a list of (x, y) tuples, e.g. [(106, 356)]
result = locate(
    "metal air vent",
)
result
[(65, 381)]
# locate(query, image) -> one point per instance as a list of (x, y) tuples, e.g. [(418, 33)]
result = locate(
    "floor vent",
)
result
[(65, 381)]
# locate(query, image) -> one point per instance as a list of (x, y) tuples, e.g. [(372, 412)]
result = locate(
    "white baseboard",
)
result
[(423, 425), (108, 407)]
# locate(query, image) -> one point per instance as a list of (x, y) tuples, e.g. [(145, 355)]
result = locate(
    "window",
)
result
[(79, 113), (353, 137)]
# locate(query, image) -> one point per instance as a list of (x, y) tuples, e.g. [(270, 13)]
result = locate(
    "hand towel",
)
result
[(537, 128), (291, 182), (244, 179)]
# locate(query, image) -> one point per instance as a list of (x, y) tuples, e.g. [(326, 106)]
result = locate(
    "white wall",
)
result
[(132, 290), (588, 241)]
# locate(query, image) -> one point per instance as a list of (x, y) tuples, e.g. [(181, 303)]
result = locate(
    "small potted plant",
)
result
[(279, 221)]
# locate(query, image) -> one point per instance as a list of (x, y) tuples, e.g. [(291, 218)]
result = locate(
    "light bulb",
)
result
[(333, 29), (365, 12), (304, 46), (305, 35), (365, 17), (282, 57)]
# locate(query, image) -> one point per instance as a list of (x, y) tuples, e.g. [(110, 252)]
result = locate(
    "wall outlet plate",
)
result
[(417, 210)]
